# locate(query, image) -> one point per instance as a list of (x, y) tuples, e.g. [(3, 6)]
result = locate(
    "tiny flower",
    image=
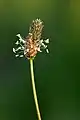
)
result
[(32, 44)]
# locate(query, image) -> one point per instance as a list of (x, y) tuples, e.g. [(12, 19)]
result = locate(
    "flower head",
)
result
[(32, 44)]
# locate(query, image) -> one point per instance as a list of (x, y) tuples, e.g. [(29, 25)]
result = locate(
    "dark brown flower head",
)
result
[(33, 42)]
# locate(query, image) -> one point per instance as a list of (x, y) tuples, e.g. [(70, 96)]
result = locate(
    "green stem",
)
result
[(34, 90)]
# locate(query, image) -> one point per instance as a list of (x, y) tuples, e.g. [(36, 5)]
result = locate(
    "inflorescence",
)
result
[(33, 43)]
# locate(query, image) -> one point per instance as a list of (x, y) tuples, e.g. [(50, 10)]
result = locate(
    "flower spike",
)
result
[(32, 44)]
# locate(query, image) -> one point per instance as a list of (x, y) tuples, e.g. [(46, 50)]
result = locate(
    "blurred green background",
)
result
[(57, 74)]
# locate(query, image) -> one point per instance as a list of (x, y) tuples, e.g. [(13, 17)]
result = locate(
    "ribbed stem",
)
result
[(34, 90)]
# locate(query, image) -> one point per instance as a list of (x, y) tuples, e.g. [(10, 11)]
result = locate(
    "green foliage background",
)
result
[(57, 74)]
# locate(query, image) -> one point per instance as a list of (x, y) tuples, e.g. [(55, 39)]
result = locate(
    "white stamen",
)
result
[(19, 48), (47, 50), (20, 51), (20, 38), (41, 40), (16, 55), (21, 55), (17, 43), (38, 49), (14, 50), (22, 47), (25, 52), (46, 41), (45, 46), (30, 33)]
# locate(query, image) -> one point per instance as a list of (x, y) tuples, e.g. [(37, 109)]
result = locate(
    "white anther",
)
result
[(19, 48), (20, 38), (46, 41), (17, 43), (14, 50), (47, 50), (38, 49), (30, 33), (16, 55), (22, 47), (41, 41), (45, 46), (18, 35), (25, 52), (21, 55)]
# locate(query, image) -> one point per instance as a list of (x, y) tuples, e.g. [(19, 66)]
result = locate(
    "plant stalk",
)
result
[(34, 90)]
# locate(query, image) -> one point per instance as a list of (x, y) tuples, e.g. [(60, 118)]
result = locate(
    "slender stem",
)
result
[(34, 90)]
